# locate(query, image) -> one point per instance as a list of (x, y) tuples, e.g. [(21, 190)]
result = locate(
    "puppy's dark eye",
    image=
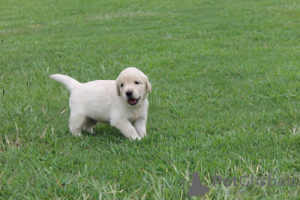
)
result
[(122, 85), (136, 82)]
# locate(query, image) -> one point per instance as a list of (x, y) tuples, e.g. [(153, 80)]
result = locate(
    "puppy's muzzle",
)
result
[(131, 100)]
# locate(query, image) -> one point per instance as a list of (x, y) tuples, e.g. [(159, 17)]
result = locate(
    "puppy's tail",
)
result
[(69, 82)]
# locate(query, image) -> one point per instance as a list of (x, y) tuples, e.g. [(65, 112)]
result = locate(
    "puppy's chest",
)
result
[(134, 114)]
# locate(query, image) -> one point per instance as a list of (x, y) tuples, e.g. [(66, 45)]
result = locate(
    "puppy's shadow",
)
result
[(105, 131)]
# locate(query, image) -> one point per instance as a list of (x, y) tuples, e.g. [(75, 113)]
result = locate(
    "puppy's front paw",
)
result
[(135, 138), (142, 135)]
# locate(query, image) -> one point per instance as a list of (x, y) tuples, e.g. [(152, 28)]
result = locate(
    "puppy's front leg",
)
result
[(140, 126), (126, 129)]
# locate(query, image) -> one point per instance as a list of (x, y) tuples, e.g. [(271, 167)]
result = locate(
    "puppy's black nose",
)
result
[(129, 93)]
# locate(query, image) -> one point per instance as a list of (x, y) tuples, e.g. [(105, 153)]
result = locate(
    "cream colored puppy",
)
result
[(123, 103)]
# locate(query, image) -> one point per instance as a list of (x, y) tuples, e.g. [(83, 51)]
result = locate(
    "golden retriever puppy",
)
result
[(123, 103)]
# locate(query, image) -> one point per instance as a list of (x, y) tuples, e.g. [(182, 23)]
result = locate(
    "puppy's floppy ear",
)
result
[(118, 88), (148, 86)]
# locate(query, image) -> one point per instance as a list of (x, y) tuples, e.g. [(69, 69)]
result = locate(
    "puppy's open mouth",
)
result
[(133, 101)]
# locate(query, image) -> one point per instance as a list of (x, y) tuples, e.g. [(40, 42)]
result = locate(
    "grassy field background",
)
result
[(225, 99)]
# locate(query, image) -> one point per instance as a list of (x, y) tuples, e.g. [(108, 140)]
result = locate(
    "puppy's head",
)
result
[(133, 86)]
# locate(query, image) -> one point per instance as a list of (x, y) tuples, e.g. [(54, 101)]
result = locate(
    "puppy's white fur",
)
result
[(123, 103)]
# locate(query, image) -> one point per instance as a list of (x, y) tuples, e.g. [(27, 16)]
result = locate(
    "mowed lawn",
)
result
[(225, 99)]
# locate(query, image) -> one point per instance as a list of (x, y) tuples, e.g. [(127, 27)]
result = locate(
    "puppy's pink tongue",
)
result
[(132, 101)]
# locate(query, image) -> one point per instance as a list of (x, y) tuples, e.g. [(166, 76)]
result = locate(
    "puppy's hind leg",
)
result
[(89, 124), (76, 123)]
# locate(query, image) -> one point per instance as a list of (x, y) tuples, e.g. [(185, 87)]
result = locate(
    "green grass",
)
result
[(225, 99)]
